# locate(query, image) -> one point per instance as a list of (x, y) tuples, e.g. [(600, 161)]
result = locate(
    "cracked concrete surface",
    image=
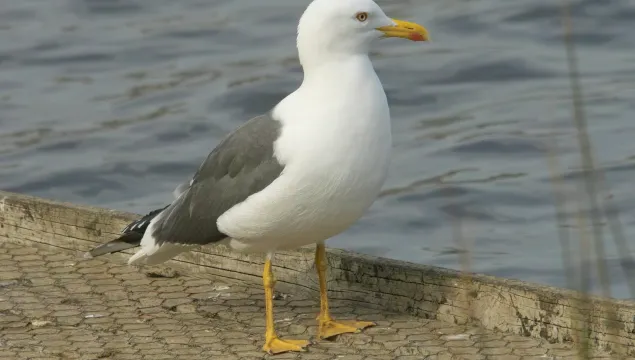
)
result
[(55, 305)]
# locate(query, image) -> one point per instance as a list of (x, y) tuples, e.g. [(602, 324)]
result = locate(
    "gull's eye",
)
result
[(361, 16)]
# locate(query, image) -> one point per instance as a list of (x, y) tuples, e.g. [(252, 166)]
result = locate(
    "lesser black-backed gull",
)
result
[(297, 175)]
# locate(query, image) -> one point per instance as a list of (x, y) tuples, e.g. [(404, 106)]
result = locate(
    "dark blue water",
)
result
[(113, 103)]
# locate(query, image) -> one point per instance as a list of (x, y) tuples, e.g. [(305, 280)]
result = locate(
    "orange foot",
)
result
[(277, 346), (331, 328)]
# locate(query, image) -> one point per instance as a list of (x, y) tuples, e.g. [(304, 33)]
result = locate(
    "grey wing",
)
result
[(244, 163)]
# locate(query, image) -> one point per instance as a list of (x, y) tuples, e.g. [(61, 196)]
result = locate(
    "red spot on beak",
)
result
[(416, 37)]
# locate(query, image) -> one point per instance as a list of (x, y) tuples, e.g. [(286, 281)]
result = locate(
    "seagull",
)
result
[(297, 175)]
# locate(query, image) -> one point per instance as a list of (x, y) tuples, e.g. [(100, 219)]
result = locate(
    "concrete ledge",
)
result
[(511, 306)]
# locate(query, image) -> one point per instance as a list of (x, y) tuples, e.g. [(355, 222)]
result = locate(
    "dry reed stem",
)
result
[(590, 179)]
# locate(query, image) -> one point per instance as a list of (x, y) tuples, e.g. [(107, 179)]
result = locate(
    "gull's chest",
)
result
[(339, 151), (339, 139), (342, 126)]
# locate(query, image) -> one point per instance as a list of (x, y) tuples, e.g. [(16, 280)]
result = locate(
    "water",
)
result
[(115, 102)]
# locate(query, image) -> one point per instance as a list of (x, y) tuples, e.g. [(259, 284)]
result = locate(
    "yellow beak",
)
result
[(406, 30)]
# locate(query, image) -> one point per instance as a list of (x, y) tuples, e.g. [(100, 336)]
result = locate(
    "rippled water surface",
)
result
[(115, 102)]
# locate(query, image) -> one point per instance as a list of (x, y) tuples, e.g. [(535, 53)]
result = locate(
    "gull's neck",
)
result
[(342, 92), (337, 70)]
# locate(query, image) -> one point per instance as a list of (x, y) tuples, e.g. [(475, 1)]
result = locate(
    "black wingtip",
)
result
[(131, 236), (126, 241)]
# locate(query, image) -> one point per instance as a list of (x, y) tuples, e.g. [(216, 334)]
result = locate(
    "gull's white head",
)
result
[(333, 28)]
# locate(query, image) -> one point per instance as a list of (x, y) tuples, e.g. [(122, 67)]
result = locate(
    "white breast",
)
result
[(335, 145)]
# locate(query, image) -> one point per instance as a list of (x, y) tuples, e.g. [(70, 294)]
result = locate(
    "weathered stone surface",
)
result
[(222, 320)]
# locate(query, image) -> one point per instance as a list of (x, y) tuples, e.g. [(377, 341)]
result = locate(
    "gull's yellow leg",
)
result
[(273, 344), (328, 327)]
